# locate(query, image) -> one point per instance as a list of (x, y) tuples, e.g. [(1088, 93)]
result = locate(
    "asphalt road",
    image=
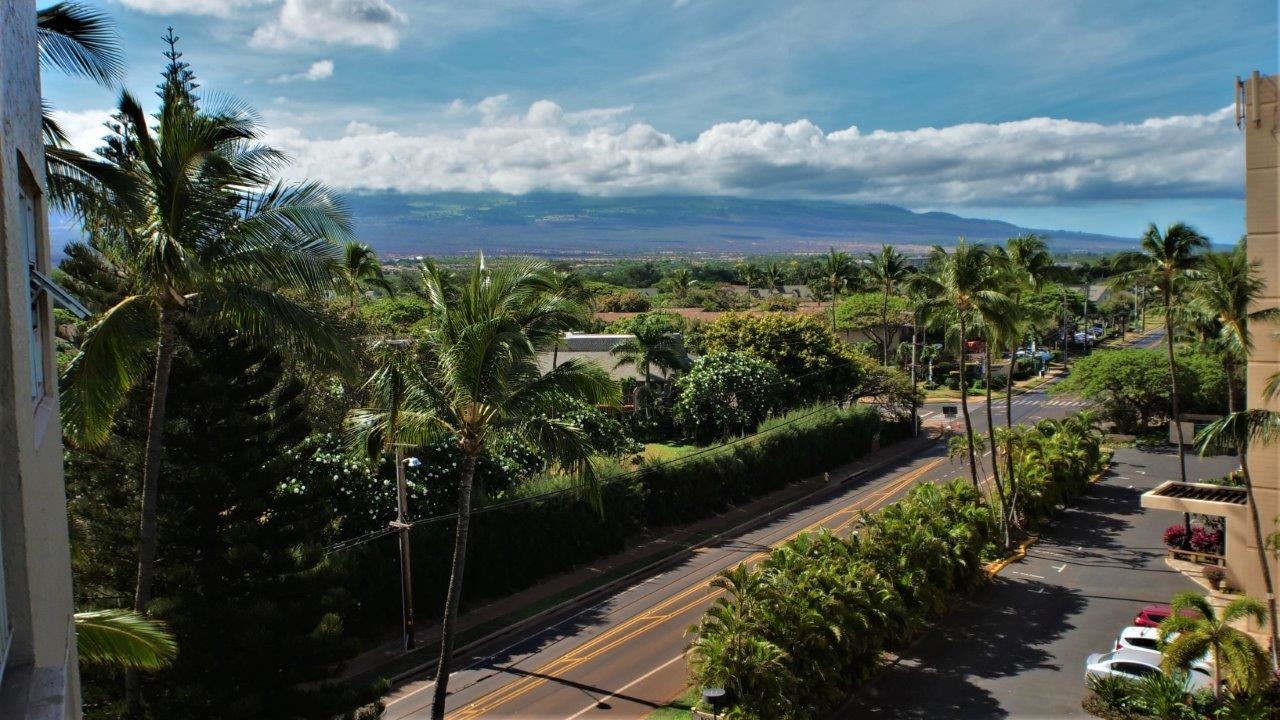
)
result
[(623, 656), (1017, 648)]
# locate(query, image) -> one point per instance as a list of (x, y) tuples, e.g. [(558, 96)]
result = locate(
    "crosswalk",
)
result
[(927, 413)]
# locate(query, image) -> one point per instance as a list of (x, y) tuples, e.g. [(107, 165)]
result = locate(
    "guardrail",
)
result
[(1200, 558)]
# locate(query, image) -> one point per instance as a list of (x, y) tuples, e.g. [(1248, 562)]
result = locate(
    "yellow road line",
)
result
[(514, 690)]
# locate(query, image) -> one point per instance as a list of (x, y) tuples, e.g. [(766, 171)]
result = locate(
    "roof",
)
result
[(1203, 492)]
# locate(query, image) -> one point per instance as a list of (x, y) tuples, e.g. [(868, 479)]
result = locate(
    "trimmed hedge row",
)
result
[(512, 547)]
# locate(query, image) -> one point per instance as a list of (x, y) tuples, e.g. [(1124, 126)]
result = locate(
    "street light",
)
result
[(715, 699), (401, 524)]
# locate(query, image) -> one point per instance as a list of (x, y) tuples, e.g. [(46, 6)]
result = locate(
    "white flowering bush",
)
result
[(725, 394)]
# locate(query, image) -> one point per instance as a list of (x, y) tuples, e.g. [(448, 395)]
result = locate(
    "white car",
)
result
[(1147, 639), (1137, 664)]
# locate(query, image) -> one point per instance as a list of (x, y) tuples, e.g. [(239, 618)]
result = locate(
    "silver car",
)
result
[(1136, 664)]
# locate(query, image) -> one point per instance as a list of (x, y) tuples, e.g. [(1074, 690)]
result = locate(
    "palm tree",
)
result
[(200, 232), (836, 271), (1232, 651), (361, 267), (123, 638), (964, 280), (80, 41), (479, 379), (749, 272), (680, 281), (773, 277), (886, 271), (1026, 263), (1168, 259), (650, 347), (1239, 430)]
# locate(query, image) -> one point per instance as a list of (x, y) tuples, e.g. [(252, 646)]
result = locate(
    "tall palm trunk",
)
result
[(991, 440), (447, 627), (884, 323), (964, 408), (150, 492), (1008, 449), (1259, 542), (915, 412), (1177, 419)]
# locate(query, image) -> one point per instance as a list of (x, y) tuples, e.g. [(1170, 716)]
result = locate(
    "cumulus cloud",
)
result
[(1032, 162), (220, 8), (1027, 162), (374, 23), (319, 70)]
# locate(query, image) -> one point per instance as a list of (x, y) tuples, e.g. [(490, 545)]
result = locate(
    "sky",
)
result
[(1086, 115)]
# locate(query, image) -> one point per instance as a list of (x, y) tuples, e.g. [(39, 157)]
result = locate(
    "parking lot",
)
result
[(1016, 649)]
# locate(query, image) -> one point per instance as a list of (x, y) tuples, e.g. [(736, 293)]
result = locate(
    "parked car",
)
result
[(1137, 664), (1151, 615), (1147, 639)]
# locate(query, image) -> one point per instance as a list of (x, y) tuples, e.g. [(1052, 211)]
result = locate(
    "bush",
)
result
[(1213, 573), (725, 394), (1175, 536), (779, 303), (1205, 540), (625, 301)]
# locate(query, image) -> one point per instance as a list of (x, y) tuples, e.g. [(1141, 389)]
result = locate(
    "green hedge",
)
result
[(512, 547)]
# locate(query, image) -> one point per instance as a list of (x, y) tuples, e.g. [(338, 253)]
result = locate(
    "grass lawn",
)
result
[(665, 451), (678, 709)]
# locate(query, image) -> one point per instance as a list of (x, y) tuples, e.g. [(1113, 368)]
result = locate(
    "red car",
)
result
[(1151, 615)]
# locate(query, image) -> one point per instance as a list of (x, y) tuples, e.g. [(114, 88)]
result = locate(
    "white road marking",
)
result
[(622, 689), (1038, 577), (1061, 567)]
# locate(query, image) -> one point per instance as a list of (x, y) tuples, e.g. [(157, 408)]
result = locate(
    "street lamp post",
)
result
[(401, 524)]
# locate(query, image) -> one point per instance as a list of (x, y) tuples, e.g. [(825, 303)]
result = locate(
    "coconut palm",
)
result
[(479, 379), (1240, 430), (80, 41), (836, 271), (749, 273), (680, 281), (1166, 261), (966, 281), (361, 267), (886, 272), (201, 232), (1026, 265), (1227, 286), (650, 348), (1233, 653), (772, 277), (123, 638)]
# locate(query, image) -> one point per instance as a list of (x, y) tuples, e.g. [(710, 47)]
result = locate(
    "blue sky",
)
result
[(1084, 115)]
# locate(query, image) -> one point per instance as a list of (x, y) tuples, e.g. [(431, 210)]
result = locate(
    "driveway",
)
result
[(1016, 649)]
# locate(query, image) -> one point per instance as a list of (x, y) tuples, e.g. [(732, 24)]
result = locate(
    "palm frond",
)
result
[(123, 638), (115, 355), (80, 40)]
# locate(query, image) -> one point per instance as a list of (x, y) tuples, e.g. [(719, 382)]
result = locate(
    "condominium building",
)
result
[(38, 677)]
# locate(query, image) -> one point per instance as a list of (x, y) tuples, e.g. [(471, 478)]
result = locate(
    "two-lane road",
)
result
[(623, 656)]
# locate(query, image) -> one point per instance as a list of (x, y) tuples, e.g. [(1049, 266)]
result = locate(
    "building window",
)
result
[(37, 299)]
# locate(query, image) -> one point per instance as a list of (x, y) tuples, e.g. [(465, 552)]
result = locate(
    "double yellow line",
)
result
[(660, 613)]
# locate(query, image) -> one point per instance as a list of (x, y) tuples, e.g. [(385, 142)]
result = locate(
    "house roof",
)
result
[(1203, 492)]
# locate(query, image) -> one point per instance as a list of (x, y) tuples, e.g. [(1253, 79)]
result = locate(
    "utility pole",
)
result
[(401, 524), (915, 413), (1066, 331)]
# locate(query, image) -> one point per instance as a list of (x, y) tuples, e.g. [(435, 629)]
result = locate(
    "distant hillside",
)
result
[(563, 225), (573, 225)]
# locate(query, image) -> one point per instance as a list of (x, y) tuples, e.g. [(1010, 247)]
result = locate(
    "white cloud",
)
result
[(319, 70), (85, 128), (220, 8), (1028, 162), (1033, 162), (348, 22)]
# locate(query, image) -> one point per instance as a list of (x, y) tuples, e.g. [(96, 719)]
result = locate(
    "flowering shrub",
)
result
[(1174, 535), (1205, 539), (726, 393)]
